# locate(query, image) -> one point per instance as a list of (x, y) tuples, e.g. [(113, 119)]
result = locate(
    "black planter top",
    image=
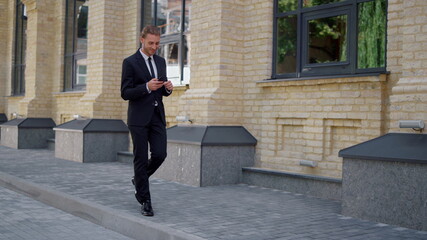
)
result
[(401, 147)]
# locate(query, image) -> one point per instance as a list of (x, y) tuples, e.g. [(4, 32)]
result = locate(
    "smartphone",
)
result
[(163, 78)]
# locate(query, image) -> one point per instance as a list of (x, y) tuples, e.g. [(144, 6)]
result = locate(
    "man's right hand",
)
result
[(154, 84)]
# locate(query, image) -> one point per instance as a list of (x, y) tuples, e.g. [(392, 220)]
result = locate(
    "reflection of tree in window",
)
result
[(372, 32), (287, 5), (312, 3), (328, 39), (82, 22), (286, 44), (316, 37)]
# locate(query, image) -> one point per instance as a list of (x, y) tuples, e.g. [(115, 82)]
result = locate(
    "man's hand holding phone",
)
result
[(168, 85), (155, 84)]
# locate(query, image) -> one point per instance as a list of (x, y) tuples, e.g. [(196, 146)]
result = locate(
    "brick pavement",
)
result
[(24, 218), (230, 212)]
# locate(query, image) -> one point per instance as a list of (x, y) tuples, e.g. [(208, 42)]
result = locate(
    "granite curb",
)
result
[(112, 219)]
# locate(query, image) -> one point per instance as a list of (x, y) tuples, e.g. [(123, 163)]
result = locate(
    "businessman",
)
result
[(144, 83)]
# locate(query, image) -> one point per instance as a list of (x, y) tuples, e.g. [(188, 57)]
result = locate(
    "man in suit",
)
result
[(144, 83)]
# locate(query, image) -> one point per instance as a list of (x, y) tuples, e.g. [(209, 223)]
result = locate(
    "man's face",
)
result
[(150, 44)]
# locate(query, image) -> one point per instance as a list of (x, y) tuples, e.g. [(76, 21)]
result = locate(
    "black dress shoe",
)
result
[(146, 209)]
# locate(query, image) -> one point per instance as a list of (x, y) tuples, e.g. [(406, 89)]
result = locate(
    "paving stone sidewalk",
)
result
[(24, 218), (230, 212)]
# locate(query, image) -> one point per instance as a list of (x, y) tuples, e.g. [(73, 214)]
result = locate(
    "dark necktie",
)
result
[(151, 68), (152, 76)]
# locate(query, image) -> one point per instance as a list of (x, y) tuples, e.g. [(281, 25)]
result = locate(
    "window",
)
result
[(76, 28), (172, 17), (329, 37), (18, 67)]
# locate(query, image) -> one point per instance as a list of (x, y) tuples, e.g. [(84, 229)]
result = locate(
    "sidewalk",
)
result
[(25, 218), (102, 193)]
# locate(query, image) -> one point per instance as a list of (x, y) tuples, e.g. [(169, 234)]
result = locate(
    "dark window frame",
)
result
[(71, 56), (303, 14), (18, 66)]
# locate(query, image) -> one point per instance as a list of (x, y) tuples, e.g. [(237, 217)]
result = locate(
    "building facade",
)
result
[(306, 78)]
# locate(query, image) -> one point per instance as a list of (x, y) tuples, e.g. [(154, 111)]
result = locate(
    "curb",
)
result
[(126, 224)]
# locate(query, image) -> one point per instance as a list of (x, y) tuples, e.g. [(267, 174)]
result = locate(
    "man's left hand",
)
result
[(168, 85)]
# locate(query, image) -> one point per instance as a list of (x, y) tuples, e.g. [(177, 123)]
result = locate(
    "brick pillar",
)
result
[(39, 59), (4, 36), (215, 94), (112, 29), (409, 95)]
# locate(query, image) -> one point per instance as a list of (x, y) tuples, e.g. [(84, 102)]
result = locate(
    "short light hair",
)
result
[(150, 30)]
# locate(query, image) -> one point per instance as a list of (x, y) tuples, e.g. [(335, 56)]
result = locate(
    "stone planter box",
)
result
[(207, 155), (23, 133), (385, 180), (91, 140)]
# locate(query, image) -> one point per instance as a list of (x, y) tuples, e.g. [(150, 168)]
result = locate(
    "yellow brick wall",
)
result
[(215, 96), (132, 21), (6, 27), (39, 59), (293, 121), (394, 55), (57, 44), (3, 52), (231, 56), (408, 99), (113, 35), (172, 106), (313, 120), (66, 106)]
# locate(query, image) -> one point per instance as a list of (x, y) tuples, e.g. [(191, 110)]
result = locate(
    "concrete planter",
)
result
[(207, 155), (385, 180), (23, 133), (91, 140)]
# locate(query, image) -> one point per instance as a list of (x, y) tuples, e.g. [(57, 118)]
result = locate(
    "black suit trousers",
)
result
[(154, 135)]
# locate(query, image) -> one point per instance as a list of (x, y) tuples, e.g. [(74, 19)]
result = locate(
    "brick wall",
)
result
[(171, 106), (313, 120), (409, 94), (6, 27), (3, 52), (231, 55), (293, 121), (215, 96), (39, 59), (113, 35)]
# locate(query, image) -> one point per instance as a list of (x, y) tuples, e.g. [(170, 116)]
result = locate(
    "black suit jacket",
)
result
[(135, 76)]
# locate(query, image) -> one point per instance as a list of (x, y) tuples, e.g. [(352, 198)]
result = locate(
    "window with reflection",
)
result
[(75, 60), (172, 17), (20, 43), (329, 37)]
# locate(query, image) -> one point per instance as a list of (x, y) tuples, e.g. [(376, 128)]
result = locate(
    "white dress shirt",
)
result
[(148, 67), (147, 64)]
